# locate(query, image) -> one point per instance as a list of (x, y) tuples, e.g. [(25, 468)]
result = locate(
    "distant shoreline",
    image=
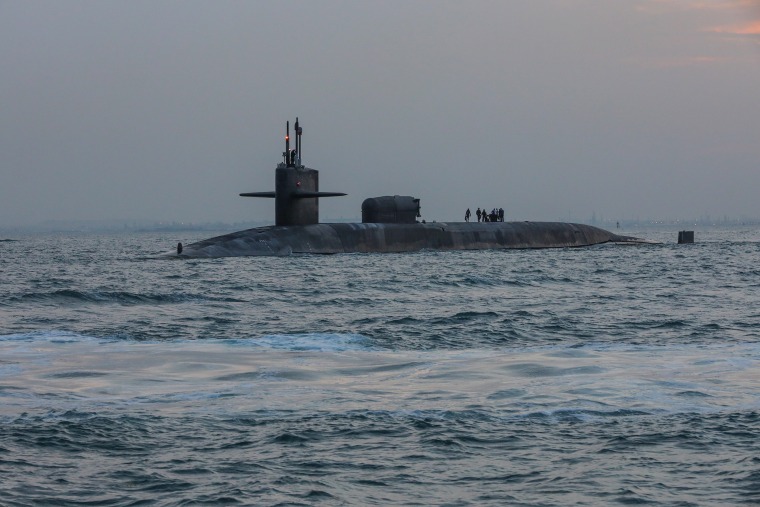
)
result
[(173, 227)]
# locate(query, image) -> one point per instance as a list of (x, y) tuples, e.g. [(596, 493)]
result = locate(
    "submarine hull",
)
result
[(390, 237)]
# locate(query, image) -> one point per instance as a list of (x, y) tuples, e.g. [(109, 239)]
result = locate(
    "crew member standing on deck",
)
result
[(467, 215), (477, 213)]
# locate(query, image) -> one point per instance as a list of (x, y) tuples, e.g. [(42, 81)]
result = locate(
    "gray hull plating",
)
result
[(387, 238)]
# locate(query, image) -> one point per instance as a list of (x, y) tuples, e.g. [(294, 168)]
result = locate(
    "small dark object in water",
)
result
[(685, 237), (179, 248)]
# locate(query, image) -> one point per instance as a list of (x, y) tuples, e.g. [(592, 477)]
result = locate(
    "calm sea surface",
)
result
[(596, 376)]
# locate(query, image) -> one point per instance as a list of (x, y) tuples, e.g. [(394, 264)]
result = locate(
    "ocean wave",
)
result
[(314, 342), (71, 296), (338, 342), (52, 336), (465, 317)]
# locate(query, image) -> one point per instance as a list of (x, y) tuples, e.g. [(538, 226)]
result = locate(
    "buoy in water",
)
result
[(685, 237)]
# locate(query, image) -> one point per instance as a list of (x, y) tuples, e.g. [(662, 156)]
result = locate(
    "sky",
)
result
[(551, 109)]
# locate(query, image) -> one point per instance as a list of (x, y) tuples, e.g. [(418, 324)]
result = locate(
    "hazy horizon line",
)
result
[(156, 225)]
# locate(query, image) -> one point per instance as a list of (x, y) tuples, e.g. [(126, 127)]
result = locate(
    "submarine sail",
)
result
[(296, 189)]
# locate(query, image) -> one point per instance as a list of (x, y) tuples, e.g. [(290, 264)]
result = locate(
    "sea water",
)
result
[(593, 376)]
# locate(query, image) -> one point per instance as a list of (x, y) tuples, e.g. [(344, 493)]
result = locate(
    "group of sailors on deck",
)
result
[(496, 215)]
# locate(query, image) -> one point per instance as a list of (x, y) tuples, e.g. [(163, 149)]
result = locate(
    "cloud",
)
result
[(722, 5), (752, 28), (730, 20), (660, 6), (676, 62)]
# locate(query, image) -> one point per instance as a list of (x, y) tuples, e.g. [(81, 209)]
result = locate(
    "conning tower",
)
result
[(296, 187)]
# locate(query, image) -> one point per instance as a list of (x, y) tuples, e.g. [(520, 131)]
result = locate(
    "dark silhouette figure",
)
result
[(501, 214), (477, 213), (467, 215), (179, 248)]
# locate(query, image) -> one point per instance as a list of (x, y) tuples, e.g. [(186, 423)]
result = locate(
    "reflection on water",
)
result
[(63, 372)]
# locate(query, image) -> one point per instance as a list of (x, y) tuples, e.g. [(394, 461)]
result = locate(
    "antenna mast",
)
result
[(286, 154), (299, 146)]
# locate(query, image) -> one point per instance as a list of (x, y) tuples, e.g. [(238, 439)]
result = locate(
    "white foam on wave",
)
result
[(314, 342), (52, 336)]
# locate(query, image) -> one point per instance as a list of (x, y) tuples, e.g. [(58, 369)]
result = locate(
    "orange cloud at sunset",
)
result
[(728, 17), (752, 28), (658, 6)]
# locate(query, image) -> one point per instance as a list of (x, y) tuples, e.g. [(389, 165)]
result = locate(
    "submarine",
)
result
[(389, 224)]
